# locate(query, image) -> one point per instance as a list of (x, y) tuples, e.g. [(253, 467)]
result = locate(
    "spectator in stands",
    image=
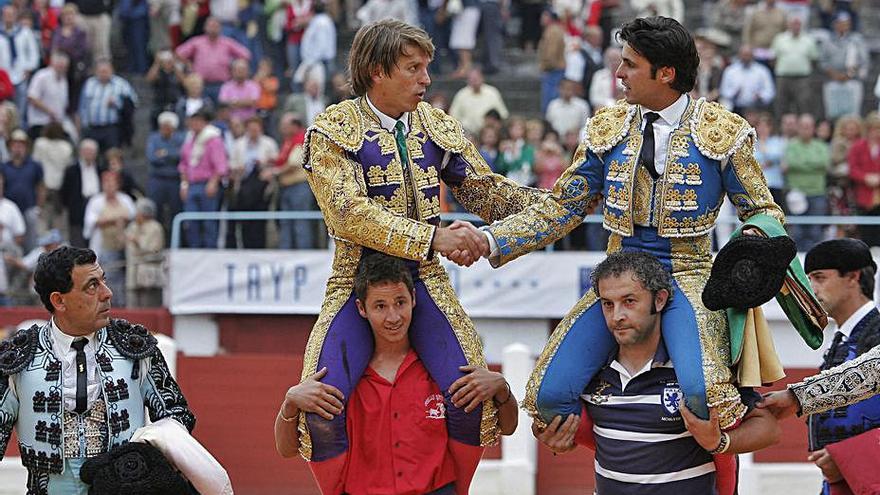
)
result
[(72, 40), (585, 58), (845, 62), (637, 439), (828, 10), (24, 183), (240, 93), (729, 16), (101, 106), (746, 84), (769, 151), (310, 102), (340, 88), (47, 95), (319, 40), (81, 182), (864, 171), (568, 112), (517, 157), (116, 163), (8, 122), (492, 16), (164, 16), (805, 164), (416, 445), (226, 12), (269, 86), (549, 163), (606, 87), (95, 17), (12, 224), (250, 169), (194, 98), (20, 53), (471, 103), (54, 151), (166, 77), (203, 165), (163, 153), (463, 35), (210, 55), (847, 131), (144, 241), (799, 9), (551, 57), (763, 22), (106, 216), (135, 18), (530, 32), (712, 64), (795, 52), (844, 133), (46, 22), (488, 145), (299, 13), (295, 192), (665, 8)]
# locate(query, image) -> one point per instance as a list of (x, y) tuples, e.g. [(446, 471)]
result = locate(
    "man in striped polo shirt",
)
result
[(645, 441)]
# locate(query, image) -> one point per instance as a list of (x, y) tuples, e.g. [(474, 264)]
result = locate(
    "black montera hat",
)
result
[(844, 254), (133, 469), (748, 271)]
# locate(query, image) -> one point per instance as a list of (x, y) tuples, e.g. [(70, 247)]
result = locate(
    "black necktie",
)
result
[(647, 154), (81, 382)]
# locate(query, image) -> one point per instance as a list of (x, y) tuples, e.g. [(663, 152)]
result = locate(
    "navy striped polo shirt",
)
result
[(642, 445)]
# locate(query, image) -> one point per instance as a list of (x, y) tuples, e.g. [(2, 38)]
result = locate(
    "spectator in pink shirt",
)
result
[(241, 93), (203, 163), (211, 56)]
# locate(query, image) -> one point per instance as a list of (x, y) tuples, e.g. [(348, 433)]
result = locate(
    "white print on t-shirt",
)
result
[(672, 399), (434, 407)]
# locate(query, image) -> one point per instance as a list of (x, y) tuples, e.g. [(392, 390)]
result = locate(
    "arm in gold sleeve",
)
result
[(845, 384), (339, 188), (574, 196), (746, 186), (484, 193)]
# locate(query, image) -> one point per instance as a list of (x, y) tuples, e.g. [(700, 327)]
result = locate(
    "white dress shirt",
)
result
[(670, 118), (67, 355), (91, 183)]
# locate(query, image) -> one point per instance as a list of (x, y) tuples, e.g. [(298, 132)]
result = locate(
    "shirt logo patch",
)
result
[(672, 399), (434, 407)]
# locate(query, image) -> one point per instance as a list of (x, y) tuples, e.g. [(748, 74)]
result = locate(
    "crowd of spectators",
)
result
[(234, 84)]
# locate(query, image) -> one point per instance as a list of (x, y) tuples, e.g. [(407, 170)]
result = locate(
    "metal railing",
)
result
[(192, 216)]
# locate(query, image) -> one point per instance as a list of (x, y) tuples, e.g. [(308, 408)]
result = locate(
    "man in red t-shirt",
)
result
[(396, 414)]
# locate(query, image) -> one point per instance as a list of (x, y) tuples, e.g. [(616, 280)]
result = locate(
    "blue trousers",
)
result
[(297, 234), (201, 234)]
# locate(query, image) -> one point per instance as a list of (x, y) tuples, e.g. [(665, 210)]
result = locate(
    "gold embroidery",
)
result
[(608, 126), (693, 175), (425, 177), (618, 172), (343, 124), (644, 191), (429, 208), (442, 129), (757, 197), (687, 226), (717, 131), (530, 401), (678, 146), (398, 202), (676, 200)]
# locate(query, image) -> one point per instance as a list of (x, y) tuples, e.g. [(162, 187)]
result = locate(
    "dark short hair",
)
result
[(54, 271), (378, 268), (644, 267), (665, 43), (866, 281)]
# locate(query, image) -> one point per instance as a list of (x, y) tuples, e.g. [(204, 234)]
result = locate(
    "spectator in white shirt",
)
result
[(48, 95), (318, 44), (568, 113), (746, 84), (606, 88), (19, 53)]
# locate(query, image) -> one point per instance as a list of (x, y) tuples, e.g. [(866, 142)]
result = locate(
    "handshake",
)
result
[(461, 243)]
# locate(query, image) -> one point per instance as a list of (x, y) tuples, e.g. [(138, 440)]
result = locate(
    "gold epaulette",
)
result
[(718, 132), (443, 130), (608, 126), (342, 123)]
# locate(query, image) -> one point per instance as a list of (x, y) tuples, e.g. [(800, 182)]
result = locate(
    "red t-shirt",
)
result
[(397, 434)]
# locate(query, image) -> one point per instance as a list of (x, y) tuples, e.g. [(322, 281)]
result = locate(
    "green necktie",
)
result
[(400, 137)]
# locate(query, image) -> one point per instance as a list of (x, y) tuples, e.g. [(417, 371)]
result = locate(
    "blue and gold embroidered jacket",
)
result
[(710, 154)]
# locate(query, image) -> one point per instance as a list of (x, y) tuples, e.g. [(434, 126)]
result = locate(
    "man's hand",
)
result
[(781, 404), (478, 385), (212, 188), (558, 436), (826, 463), (461, 242), (312, 396), (706, 433)]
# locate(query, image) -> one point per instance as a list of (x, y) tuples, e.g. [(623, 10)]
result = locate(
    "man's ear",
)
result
[(660, 300), (360, 307), (414, 296), (57, 302), (666, 75)]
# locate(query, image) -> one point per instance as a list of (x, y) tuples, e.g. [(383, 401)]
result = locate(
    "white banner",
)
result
[(539, 285)]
